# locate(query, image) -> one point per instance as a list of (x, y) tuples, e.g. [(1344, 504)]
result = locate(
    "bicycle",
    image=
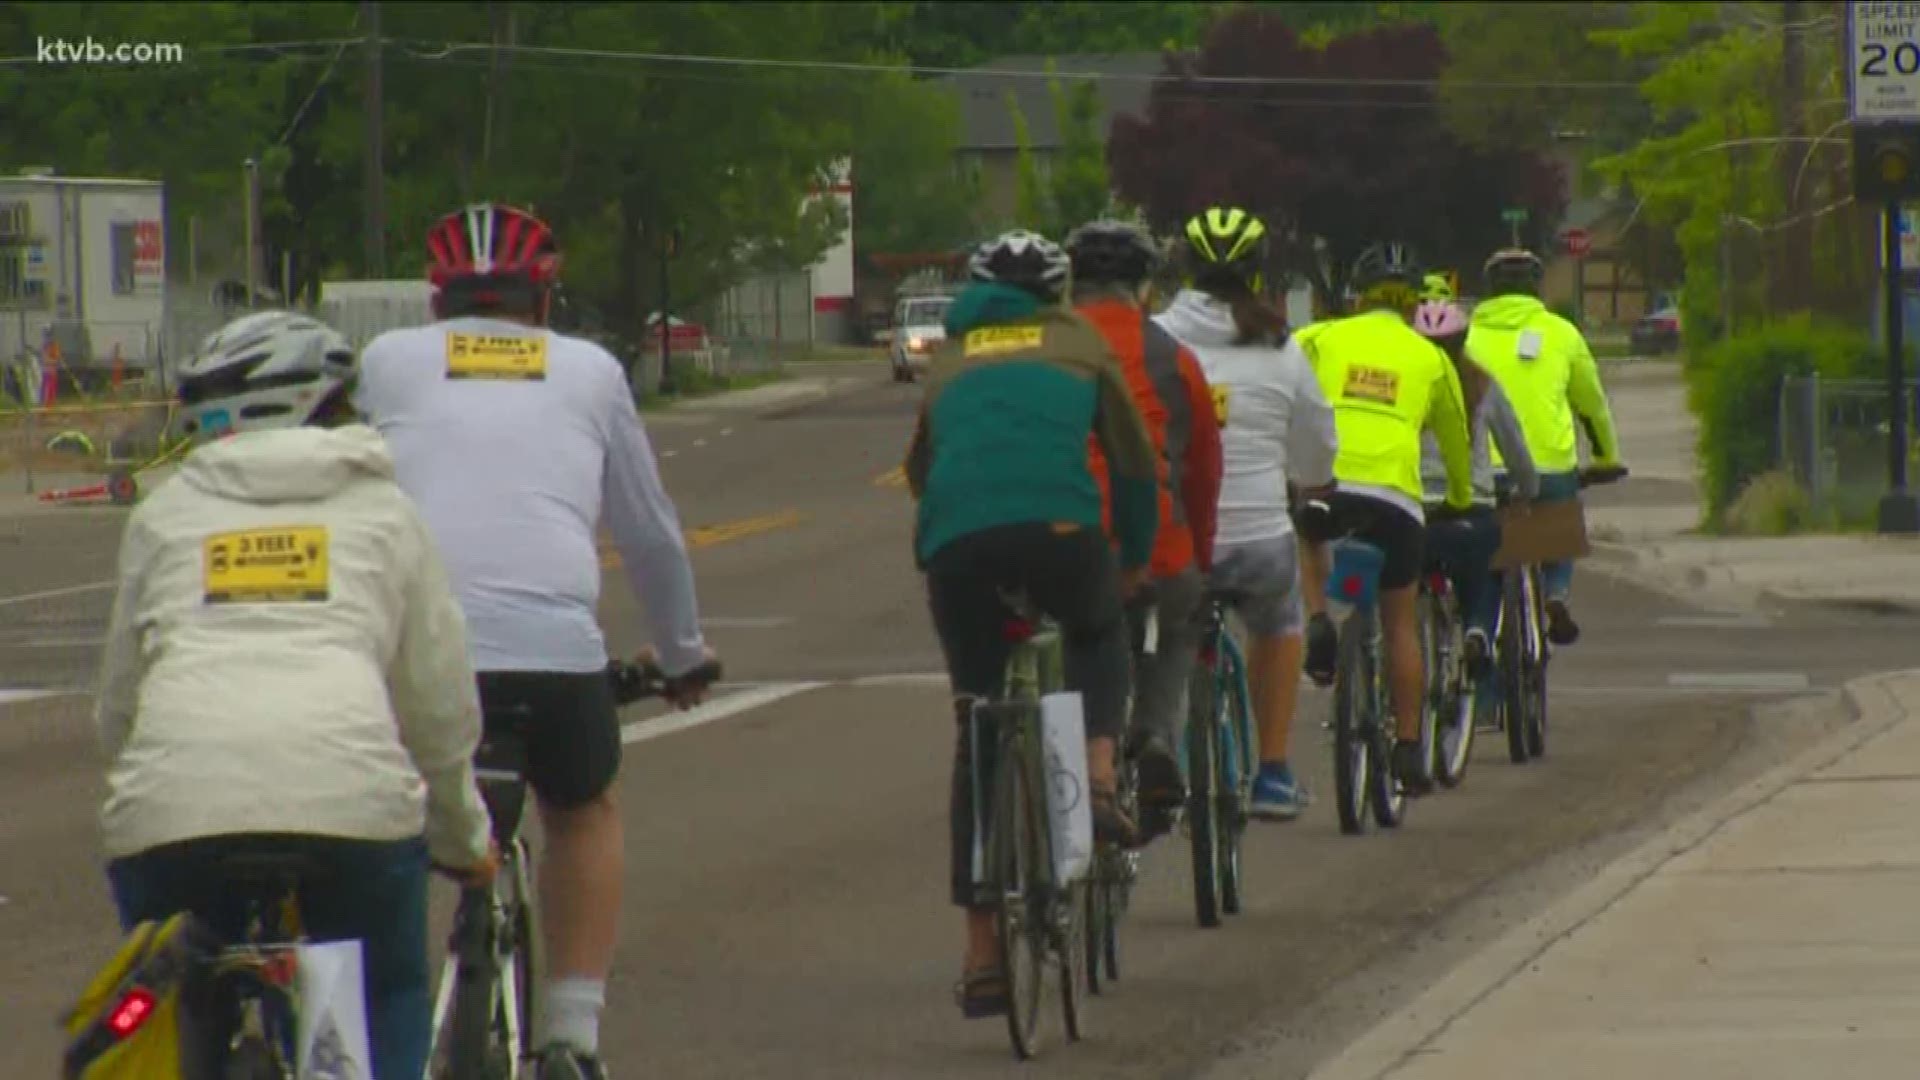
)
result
[(1452, 690), (1221, 765), (1363, 733), (260, 969), (485, 1002), (1522, 651), (1040, 922), (1115, 868)]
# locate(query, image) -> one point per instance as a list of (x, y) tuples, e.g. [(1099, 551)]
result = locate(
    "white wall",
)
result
[(132, 320)]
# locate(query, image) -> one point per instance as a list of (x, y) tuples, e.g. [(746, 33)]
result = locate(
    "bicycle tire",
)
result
[(1019, 911), (525, 921), (1236, 772), (1513, 669), (1116, 906), (1074, 957), (1096, 923), (1352, 754), (1388, 802), (1537, 673), (1203, 803), (1453, 747)]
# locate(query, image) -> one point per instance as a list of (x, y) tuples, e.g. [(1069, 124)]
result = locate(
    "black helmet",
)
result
[(1513, 270), (1108, 251), (1383, 264), (1022, 259)]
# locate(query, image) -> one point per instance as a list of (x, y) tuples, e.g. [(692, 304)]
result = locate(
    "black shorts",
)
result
[(1362, 517), (568, 724)]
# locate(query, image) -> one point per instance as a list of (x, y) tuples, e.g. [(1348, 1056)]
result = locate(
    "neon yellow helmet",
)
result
[(1435, 289), (1231, 239)]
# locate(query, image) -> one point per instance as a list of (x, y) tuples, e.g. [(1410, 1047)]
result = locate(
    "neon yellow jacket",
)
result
[(1549, 376), (1386, 384)]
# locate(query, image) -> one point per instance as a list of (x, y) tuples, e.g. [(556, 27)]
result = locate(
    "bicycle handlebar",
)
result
[(1602, 475)]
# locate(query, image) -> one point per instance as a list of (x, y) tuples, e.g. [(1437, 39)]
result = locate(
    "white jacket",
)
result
[(1279, 425), (342, 705)]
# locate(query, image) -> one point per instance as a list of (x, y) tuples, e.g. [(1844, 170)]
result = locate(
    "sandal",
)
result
[(982, 994)]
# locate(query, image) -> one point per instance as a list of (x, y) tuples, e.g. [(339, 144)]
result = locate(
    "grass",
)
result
[(690, 385)]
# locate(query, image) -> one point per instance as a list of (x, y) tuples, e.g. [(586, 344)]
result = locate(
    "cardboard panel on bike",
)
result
[(1542, 533), (1063, 730)]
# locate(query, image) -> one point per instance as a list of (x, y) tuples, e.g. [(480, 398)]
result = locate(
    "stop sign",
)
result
[(1578, 242)]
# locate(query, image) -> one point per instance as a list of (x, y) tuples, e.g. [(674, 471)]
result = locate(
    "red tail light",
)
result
[(133, 1010), (1437, 584), (1350, 586), (1208, 656), (1016, 631)]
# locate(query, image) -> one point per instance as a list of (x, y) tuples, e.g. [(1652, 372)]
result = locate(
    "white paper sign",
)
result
[(333, 1042)]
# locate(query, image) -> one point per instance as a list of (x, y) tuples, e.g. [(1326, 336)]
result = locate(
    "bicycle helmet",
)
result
[(1391, 263), (1023, 259), (1511, 270), (268, 369), (1434, 289), (1230, 239), (1439, 319), (1108, 251), (491, 241)]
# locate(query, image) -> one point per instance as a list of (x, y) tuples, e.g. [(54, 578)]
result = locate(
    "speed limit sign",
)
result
[(1883, 77)]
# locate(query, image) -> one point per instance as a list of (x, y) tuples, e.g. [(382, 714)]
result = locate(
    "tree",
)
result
[(1080, 188), (908, 196), (1033, 203), (1331, 166)]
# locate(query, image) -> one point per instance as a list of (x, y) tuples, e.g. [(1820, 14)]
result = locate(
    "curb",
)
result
[(1869, 605), (1392, 1043)]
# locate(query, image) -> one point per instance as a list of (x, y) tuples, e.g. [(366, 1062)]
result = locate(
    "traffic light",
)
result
[(1886, 162)]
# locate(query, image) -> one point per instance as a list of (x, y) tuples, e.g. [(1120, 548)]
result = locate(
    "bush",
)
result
[(1733, 388), (1771, 504)]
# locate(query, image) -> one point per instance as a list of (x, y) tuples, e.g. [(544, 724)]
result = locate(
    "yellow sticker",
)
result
[(1220, 405), (1373, 384), (266, 565), (1002, 339), (496, 356)]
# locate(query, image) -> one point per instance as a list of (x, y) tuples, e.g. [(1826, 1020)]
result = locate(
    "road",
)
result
[(785, 911)]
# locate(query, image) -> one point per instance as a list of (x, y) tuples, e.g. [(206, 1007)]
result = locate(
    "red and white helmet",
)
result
[(491, 240), (1439, 319)]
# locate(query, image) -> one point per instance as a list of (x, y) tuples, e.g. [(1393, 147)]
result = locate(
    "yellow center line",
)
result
[(711, 535), (894, 477)]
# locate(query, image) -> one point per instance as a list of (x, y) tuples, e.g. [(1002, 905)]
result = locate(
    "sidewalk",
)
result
[(1773, 934)]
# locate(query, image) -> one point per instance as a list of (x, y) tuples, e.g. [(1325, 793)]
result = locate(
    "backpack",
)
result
[(130, 1023)]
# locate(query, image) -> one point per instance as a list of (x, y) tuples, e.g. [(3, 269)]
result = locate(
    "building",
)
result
[(82, 269), (989, 149), (1616, 294)]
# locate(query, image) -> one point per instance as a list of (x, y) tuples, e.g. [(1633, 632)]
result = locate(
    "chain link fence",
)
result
[(1833, 437)]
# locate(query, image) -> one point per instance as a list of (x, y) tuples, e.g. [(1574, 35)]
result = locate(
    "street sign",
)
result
[(1578, 242), (1909, 242), (1519, 217), (1883, 72)]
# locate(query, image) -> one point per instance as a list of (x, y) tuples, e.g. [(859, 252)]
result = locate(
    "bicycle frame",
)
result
[(1220, 652)]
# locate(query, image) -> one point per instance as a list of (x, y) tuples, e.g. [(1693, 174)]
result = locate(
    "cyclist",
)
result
[(1544, 366), (1112, 263), (1007, 500), (464, 402), (1466, 547), (1386, 383), (285, 668), (1278, 426)]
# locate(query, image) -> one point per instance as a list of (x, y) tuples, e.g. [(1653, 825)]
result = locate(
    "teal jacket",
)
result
[(1013, 396)]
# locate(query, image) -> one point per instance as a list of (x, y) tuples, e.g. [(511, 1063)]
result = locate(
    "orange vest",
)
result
[(1122, 324)]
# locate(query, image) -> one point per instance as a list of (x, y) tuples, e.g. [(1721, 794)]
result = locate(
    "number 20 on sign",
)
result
[(1884, 79)]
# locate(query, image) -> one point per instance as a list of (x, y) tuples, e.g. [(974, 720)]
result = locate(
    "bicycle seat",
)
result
[(1022, 620), (1228, 597)]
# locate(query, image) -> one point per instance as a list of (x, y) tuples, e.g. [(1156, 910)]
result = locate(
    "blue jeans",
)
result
[(1556, 578), (1466, 548), (371, 891)]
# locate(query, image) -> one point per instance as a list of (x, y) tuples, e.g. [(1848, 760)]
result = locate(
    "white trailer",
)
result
[(83, 266)]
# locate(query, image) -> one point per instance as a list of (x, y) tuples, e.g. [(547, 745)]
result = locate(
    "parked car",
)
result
[(1657, 334), (918, 326)]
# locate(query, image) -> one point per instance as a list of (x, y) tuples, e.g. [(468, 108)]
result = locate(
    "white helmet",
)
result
[(269, 369)]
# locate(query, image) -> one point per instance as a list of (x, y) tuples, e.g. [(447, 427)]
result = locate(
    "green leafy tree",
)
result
[(908, 195), (1080, 188), (1033, 202)]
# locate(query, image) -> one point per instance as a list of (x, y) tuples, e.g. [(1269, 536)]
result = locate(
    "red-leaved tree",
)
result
[(1331, 165)]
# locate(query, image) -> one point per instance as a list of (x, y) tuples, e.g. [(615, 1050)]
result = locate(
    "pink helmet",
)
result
[(1439, 319)]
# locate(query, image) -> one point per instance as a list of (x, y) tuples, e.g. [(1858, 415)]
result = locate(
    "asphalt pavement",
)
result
[(785, 911)]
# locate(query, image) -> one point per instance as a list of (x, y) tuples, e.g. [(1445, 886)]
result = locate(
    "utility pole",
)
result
[(1793, 263), (250, 204), (374, 211)]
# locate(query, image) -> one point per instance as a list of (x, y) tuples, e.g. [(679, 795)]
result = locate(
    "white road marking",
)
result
[(8, 697), (745, 622), (52, 594), (697, 443), (905, 678), (55, 643), (1739, 680), (669, 453), (716, 709), (726, 431)]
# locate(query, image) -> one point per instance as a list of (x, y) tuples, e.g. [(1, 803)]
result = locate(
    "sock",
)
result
[(572, 1013)]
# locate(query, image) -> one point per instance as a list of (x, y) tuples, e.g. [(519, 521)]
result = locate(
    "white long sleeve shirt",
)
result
[(1279, 425), (285, 655), (515, 442)]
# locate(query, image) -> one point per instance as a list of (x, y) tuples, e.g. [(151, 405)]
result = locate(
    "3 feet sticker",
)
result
[(496, 356), (257, 566)]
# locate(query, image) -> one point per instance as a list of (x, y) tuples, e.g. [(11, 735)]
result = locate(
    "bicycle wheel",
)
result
[(1074, 958), (1454, 748), (1513, 669), (1203, 800), (1095, 899), (525, 924), (472, 1049), (1537, 671), (1352, 754), (1389, 802), (1021, 915), (1236, 777)]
